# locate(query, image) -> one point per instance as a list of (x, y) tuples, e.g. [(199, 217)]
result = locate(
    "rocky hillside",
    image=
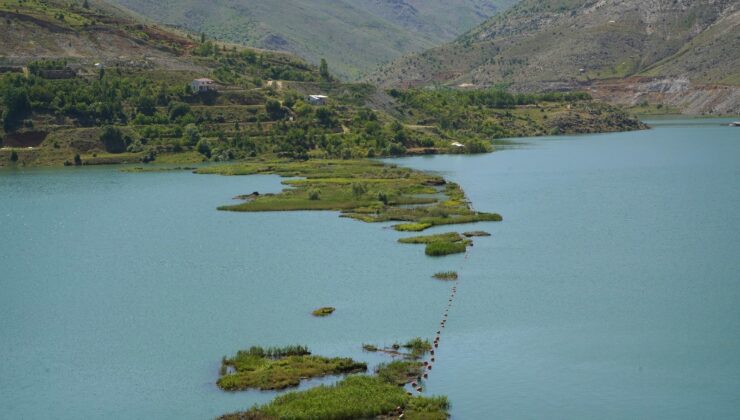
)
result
[(670, 45), (353, 35), (85, 33)]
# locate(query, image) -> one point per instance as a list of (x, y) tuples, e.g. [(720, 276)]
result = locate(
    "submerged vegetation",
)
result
[(446, 275), (279, 368), (414, 349), (476, 233), (324, 311)]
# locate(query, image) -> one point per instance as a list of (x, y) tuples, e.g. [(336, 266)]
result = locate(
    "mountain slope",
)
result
[(353, 35), (35, 30), (567, 43)]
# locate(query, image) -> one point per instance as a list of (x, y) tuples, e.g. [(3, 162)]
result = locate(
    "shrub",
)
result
[(13, 156), (383, 197), (314, 194), (358, 189)]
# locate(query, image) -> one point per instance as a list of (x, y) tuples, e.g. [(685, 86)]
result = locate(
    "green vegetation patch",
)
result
[(417, 347), (325, 311), (438, 249), (476, 233), (426, 239), (446, 275), (355, 397), (400, 372), (279, 368), (412, 227), (365, 190)]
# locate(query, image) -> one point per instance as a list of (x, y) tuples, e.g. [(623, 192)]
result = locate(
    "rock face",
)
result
[(680, 92)]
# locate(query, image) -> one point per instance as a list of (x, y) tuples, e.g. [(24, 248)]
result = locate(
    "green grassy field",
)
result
[(279, 368)]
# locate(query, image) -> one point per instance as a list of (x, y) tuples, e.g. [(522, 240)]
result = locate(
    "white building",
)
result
[(317, 99), (202, 85)]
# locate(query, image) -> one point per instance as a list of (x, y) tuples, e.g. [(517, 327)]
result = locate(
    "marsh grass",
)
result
[(438, 249), (355, 397), (412, 227), (427, 239), (400, 372), (417, 347), (446, 275), (279, 368)]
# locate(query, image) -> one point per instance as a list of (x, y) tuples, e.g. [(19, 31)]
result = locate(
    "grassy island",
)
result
[(359, 396), (356, 397), (322, 312), (280, 368), (365, 190)]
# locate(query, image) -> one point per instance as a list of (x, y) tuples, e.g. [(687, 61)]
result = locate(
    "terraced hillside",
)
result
[(353, 35), (688, 47), (93, 85)]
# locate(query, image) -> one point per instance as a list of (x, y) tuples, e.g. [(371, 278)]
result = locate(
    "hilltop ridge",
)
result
[(682, 53)]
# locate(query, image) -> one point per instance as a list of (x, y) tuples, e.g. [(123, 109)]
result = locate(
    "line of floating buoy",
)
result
[(427, 365)]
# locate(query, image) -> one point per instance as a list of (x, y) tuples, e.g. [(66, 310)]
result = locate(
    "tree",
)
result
[(274, 109), (85, 4), (204, 148), (178, 109), (202, 37), (146, 105), (113, 140), (17, 107), (191, 135), (325, 117), (13, 156), (324, 70)]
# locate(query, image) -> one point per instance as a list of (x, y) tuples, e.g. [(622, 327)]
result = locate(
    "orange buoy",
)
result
[(426, 376), (414, 384)]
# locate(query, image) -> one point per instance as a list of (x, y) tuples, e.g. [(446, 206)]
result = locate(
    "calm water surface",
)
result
[(611, 290)]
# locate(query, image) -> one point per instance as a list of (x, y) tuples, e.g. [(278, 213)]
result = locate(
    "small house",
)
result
[(202, 85), (317, 99)]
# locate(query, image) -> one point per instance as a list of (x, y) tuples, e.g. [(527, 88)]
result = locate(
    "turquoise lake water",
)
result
[(611, 289)]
